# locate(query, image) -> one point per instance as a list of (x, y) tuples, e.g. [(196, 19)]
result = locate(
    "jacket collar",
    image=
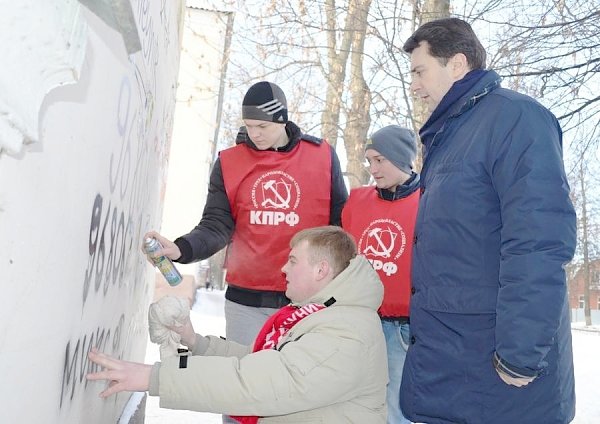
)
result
[(402, 191), (462, 96)]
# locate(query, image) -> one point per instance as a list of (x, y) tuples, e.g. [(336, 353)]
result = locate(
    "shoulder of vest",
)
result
[(364, 188), (311, 139), (235, 148)]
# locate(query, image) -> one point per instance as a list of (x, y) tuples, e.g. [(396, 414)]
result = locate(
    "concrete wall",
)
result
[(76, 195)]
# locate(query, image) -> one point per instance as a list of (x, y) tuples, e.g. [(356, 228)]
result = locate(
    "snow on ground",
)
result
[(207, 317), (586, 353)]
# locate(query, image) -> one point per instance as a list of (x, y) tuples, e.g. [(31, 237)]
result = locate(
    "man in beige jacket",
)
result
[(320, 359)]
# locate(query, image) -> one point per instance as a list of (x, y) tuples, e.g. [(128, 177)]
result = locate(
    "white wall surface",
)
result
[(73, 208), (44, 58)]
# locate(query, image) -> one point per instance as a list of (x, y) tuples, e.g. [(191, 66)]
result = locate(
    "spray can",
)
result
[(164, 264)]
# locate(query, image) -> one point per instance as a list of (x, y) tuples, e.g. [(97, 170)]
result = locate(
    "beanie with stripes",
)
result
[(265, 101)]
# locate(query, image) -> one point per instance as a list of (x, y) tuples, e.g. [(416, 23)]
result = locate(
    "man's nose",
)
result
[(414, 86)]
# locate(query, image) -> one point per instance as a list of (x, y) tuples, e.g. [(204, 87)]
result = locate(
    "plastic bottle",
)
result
[(164, 264)]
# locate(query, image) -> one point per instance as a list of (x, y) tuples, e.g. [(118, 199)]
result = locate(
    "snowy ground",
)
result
[(207, 317)]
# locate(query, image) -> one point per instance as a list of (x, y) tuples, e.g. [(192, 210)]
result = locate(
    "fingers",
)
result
[(110, 372), (162, 240), (514, 381), (169, 248), (121, 375), (113, 388), (102, 359), (152, 234)]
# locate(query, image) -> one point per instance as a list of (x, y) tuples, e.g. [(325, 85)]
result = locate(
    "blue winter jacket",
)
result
[(494, 230)]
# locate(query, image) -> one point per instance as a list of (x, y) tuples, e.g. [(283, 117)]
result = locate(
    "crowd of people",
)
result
[(436, 296)]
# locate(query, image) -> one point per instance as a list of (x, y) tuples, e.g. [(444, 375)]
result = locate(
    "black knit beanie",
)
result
[(265, 101), (396, 144)]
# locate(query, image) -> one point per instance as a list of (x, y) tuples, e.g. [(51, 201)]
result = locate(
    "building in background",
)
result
[(577, 294), (207, 33)]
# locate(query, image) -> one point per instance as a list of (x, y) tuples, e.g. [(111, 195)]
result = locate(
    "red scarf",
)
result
[(274, 329)]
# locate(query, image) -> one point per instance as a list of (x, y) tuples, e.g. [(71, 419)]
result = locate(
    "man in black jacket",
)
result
[(273, 183)]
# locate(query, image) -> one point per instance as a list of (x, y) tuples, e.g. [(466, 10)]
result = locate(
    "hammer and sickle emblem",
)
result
[(385, 251), (272, 186)]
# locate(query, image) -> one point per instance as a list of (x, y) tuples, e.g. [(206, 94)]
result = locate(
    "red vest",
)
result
[(384, 231), (272, 196)]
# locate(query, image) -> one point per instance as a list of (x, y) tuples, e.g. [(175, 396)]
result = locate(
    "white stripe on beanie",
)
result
[(271, 107)]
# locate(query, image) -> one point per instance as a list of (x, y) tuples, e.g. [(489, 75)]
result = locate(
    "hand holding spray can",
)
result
[(164, 264)]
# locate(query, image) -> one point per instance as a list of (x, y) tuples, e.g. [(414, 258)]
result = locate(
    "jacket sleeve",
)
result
[(216, 226), (205, 346), (339, 192), (217, 346), (538, 236), (308, 373)]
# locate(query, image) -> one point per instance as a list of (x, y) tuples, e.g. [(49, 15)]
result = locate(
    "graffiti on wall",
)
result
[(116, 224), (121, 214), (76, 365)]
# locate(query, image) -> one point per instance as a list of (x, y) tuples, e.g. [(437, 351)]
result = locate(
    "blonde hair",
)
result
[(330, 243)]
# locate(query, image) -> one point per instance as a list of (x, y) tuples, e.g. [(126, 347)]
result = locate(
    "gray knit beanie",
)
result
[(265, 101), (396, 144)]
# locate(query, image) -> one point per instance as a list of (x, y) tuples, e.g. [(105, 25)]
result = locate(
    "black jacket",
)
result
[(217, 224)]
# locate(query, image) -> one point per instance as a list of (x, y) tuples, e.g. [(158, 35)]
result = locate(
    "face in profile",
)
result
[(384, 172), (302, 276), (266, 135), (430, 79)]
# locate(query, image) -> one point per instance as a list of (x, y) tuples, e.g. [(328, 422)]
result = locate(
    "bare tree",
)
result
[(305, 45), (585, 240), (428, 11), (336, 69), (550, 51), (358, 117)]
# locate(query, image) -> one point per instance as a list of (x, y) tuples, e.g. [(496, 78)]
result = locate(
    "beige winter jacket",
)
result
[(330, 368)]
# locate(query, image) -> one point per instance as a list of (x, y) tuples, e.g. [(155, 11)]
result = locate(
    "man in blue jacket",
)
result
[(490, 331)]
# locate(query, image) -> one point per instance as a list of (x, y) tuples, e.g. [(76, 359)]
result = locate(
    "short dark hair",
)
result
[(447, 37), (329, 242)]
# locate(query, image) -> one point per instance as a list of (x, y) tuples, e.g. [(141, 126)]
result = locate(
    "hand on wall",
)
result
[(121, 375)]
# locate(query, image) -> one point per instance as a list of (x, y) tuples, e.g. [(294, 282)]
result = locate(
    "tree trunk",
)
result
[(586, 256), (358, 117), (432, 9), (336, 72)]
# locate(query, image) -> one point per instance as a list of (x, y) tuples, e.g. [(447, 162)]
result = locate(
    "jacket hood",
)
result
[(357, 285)]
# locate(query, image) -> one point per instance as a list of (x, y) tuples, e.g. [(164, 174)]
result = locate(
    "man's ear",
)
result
[(459, 65), (323, 269)]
